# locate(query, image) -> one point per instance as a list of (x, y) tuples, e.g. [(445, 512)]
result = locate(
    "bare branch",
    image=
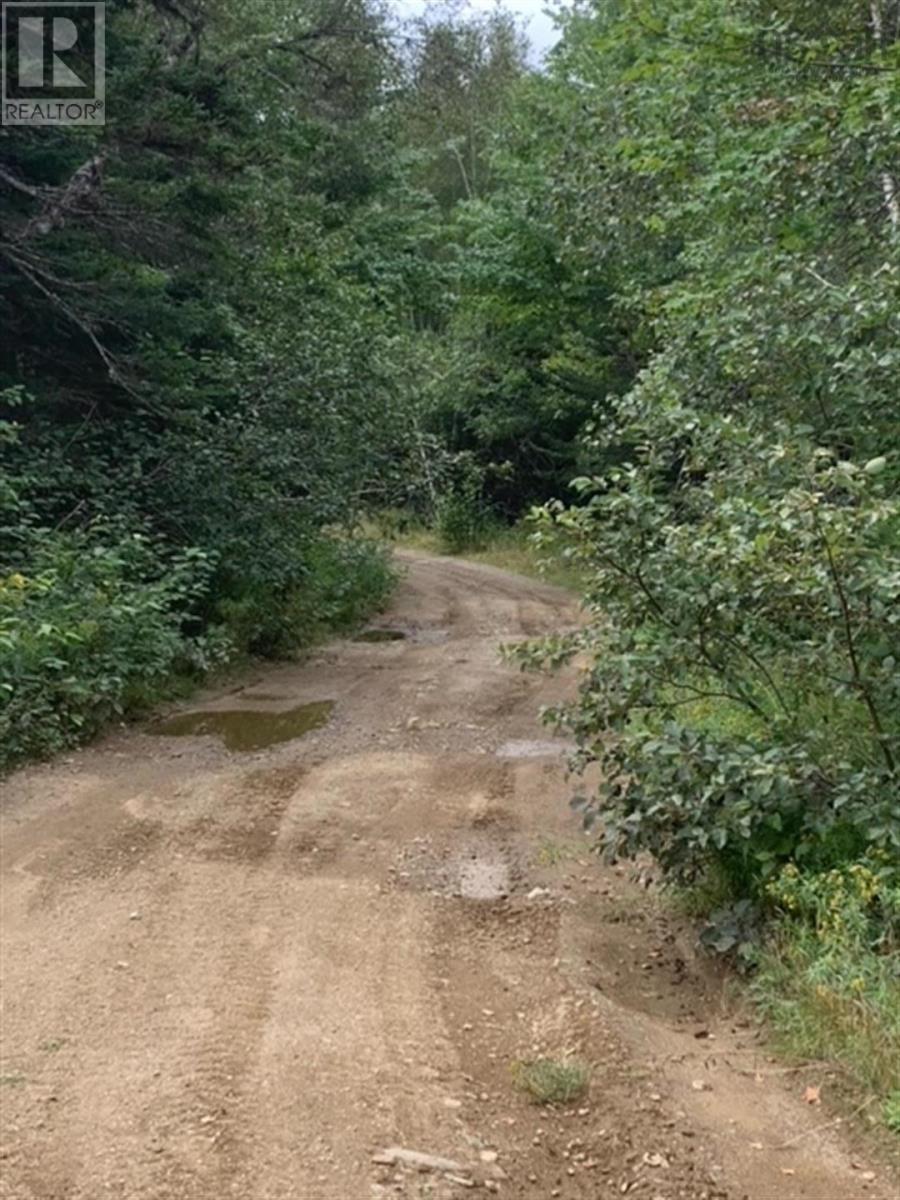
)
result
[(18, 185), (59, 203), (27, 270)]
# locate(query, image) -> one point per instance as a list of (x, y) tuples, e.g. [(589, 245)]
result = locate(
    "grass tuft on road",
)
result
[(552, 1081)]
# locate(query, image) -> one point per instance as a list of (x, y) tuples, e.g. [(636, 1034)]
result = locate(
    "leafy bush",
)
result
[(96, 631), (333, 584), (352, 578), (462, 520), (200, 305), (743, 698)]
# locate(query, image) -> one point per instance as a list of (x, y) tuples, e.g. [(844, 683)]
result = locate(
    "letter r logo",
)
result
[(64, 36)]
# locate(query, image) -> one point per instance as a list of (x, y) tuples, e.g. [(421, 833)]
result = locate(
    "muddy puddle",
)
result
[(412, 634), (248, 729)]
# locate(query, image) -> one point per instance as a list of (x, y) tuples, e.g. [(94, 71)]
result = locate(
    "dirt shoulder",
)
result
[(250, 974)]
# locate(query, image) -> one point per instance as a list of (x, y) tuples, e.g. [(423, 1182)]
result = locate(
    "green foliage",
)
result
[(343, 581), (741, 533), (732, 929), (531, 345), (95, 633), (460, 78), (728, 175), (773, 596), (462, 520), (829, 979), (461, 523), (200, 303)]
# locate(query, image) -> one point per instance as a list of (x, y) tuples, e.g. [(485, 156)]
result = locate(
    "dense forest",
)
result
[(321, 265)]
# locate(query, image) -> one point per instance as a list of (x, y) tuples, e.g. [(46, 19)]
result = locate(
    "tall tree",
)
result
[(461, 70)]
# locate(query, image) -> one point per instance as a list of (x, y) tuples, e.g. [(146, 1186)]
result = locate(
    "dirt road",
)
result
[(247, 974)]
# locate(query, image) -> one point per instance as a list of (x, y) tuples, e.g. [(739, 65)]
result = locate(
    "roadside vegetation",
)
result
[(323, 275)]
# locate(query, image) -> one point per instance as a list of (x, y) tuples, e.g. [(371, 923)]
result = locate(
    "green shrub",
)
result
[(94, 632), (461, 522), (335, 583), (461, 518), (349, 579), (738, 518), (742, 698)]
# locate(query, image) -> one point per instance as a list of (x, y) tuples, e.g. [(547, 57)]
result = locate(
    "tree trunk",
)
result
[(888, 179)]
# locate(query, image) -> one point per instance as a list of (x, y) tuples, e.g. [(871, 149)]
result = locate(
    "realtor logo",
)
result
[(53, 64)]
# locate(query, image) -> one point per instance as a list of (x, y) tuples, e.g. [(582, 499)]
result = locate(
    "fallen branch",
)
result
[(398, 1156)]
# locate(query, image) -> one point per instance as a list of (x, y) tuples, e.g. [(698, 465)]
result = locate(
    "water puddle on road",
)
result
[(248, 729), (380, 635)]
